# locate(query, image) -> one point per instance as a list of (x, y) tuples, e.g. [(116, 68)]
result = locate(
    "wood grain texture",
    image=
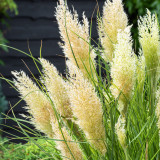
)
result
[(28, 65), (46, 9), (28, 29)]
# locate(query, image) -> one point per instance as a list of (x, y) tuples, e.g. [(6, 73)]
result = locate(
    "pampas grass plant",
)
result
[(95, 116)]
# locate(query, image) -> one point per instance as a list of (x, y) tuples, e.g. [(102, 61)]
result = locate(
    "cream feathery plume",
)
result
[(120, 130), (123, 67), (56, 88), (75, 37), (87, 108), (37, 102), (149, 39), (68, 147), (113, 19), (72, 147)]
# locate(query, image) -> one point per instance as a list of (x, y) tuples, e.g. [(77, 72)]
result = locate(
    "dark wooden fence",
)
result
[(36, 22)]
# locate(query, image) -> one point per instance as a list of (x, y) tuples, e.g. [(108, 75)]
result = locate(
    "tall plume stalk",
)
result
[(113, 19), (37, 102), (149, 40), (56, 89), (76, 39), (86, 108), (123, 71), (123, 68)]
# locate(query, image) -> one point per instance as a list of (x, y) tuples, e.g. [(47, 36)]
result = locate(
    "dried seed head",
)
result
[(56, 88), (123, 67), (87, 108), (37, 102), (75, 37), (113, 19), (149, 39)]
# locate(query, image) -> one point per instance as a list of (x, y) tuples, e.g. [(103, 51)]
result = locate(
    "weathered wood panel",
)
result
[(46, 9), (27, 29), (25, 63)]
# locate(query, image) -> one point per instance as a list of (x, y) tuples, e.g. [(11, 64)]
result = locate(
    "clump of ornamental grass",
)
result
[(90, 115)]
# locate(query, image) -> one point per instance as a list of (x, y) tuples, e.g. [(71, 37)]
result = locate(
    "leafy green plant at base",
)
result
[(28, 151)]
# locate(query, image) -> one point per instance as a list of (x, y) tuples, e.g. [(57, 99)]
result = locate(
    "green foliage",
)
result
[(6, 5), (41, 148), (138, 7), (28, 151)]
